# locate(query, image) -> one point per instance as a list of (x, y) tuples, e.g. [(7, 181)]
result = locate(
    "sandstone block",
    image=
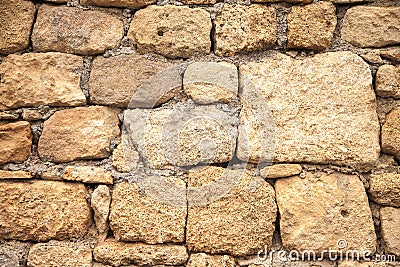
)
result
[(390, 135), (326, 114), (43, 210), (14, 175), (244, 28), (241, 222), (280, 170), (116, 80), (15, 142), (16, 19), (125, 158), (183, 135), (88, 174), (390, 221), (172, 31), (100, 202), (55, 254), (119, 3), (385, 188), (138, 216), (204, 260), (288, 1), (76, 31), (79, 133), (387, 81), (199, 2), (209, 82), (320, 210), (118, 253), (35, 79), (311, 26), (367, 26)]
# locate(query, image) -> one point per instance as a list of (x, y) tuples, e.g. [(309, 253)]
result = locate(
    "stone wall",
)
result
[(199, 133)]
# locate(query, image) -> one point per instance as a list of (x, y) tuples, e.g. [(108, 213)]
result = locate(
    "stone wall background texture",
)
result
[(91, 96)]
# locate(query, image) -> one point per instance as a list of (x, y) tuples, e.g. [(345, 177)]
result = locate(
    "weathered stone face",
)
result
[(172, 31), (87, 174), (43, 210), (311, 26), (385, 188), (390, 135), (16, 19), (138, 216), (125, 158), (244, 28), (390, 220), (55, 254), (15, 142), (35, 79), (326, 114), (14, 175), (118, 253), (280, 170), (73, 30), (388, 81), (204, 260), (239, 223), (100, 202), (318, 211), (79, 133), (119, 3), (365, 26), (288, 1)]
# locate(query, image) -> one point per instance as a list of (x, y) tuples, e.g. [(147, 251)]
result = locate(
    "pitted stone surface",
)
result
[(390, 220), (385, 188), (119, 3), (390, 135), (205, 260), (387, 81), (15, 141)]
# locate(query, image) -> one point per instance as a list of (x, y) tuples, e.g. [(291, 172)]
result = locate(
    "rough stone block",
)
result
[(385, 188), (390, 134), (119, 3), (88, 174), (280, 170), (15, 142), (390, 222), (204, 260), (387, 81)]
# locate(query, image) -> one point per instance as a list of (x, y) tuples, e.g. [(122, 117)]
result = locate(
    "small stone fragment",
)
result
[(311, 26), (390, 134), (14, 175), (172, 31), (348, 1), (118, 253), (199, 2), (43, 210), (373, 57), (15, 142), (76, 31), (244, 28), (393, 54), (288, 1), (119, 3), (390, 221), (16, 19), (8, 258), (31, 114), (204, 260), (56, 254), (35, 79), (101, 200), (79, 133), (88, 174), (385, 188), (125, 158), (387, 82), (8, 116), (369, 26), (280, 170), (210, 82)]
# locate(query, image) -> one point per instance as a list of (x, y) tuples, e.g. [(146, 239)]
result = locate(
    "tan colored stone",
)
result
[(138, 216), (56, 254), (16, 19), (392, 54), (288, 1), (125, 158), (373, 57), (244, 28), (172, 31), (119, 3), (88, 174), (204, 260), (387, 81), (14, 175), (199, 2), (8, 116), (118, 253), (14, 253), (100, 202), (31, 114), (280, 170), (74, 30), (367, 26), (116, 80), (43, 210), (366, 264), (182, 135), (326, 114), (385, 188), (390, 135), (35, 79), (318, 211), (240, 222), (209, 82), (79, 133), (390, 225), (15, 142)]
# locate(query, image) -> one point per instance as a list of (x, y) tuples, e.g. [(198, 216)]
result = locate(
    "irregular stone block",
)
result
[(325, 211), (31, 114), (387, 81), (88, 174), (76, 31), (100, 202), (367, 26), (390, 221), (172, 31), (209, 82), (16, 19), (204, 260), (288, 1), (14, 175), (15, 142), (241, 221), (244, 28), (311, 26), (390, 134), (326, 114), (35, 79), (43, 210), (119, 3), (79, 133), (118, 253), (392, 54), (280, 170), (125, 158), (385, 188), (55, 254), (199, 2)]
